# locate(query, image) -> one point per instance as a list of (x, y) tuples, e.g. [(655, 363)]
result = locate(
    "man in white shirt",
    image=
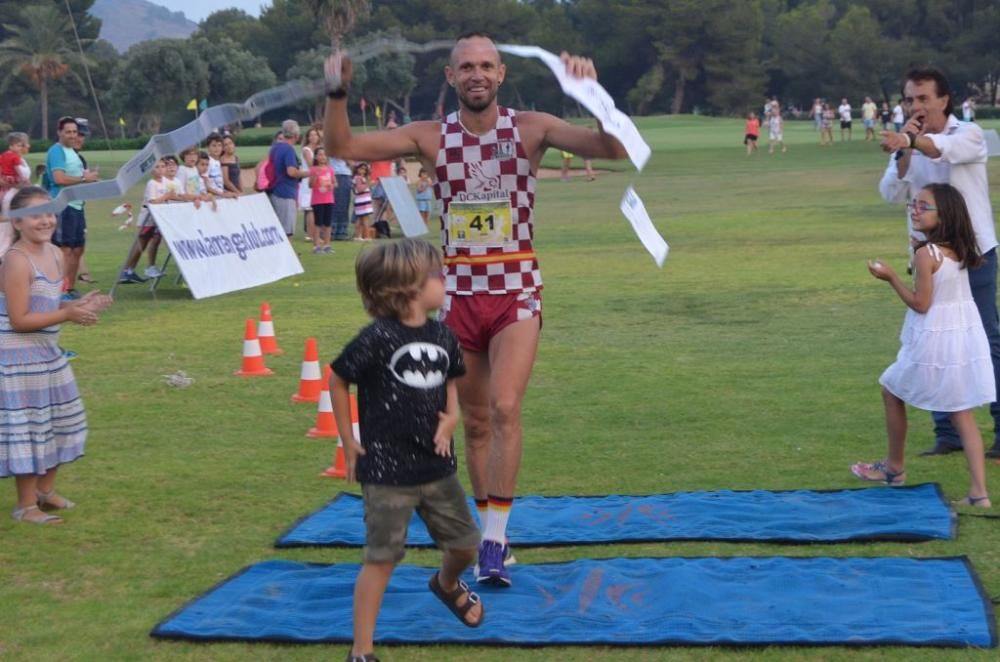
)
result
[(844, 110), (937, 147)]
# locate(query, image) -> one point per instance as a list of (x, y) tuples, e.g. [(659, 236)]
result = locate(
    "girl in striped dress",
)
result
[(363, 206), (42, 422)]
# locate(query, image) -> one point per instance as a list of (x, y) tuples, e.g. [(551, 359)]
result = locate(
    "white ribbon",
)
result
[(595, 99)]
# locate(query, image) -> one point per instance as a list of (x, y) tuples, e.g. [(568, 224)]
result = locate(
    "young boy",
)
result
[(158, 191), (192, 184), (215, 180), (204, 171), (405, 366), (14, 170)]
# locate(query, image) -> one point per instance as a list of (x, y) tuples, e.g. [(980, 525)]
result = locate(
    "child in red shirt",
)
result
[(751, 132)]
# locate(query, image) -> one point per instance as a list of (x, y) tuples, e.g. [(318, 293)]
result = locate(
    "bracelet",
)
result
[(340, 93), (913, 139)]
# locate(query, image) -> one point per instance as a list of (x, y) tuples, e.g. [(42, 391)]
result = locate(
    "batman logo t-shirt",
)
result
[(401, 373)]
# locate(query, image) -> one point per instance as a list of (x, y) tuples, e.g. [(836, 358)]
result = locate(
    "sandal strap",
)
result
[(451, 597), (19, 515), (890, 475), (45, 498)]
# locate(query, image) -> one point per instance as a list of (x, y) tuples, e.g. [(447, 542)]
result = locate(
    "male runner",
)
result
[(485, 158)]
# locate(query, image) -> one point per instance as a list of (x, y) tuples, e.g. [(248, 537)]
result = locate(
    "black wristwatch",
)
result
[(913, 138), (340, 93)]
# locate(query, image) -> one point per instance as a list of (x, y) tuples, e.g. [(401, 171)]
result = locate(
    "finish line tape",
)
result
[(587, 91)]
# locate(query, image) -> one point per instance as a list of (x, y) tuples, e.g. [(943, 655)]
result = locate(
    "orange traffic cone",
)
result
[(310, 384), (265, 330), (326, 424), (253, 360), (338, 469)]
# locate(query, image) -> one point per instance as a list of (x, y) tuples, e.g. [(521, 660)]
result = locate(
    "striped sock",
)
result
[(497, 514), (481, 508)]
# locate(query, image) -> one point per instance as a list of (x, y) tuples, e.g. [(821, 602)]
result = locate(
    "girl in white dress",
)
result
[(944, 362)]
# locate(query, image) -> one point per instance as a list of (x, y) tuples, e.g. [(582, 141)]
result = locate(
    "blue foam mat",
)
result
[(620, 602), (911, 514)]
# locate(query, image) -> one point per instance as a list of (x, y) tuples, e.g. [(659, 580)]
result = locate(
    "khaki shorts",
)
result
[(441, 505)]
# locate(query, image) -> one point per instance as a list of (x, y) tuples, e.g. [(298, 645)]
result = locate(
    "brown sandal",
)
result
[(450, 600)]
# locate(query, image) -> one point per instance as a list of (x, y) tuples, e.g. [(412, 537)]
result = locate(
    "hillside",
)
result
[(127, 22)]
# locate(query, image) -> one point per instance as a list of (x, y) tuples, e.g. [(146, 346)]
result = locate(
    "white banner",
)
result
[(402, 201), (239, 245)]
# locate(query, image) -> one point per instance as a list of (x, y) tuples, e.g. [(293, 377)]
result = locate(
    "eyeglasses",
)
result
[(920, 206)]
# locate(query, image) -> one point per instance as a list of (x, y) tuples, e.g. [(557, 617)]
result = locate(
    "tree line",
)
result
[(653, 56)]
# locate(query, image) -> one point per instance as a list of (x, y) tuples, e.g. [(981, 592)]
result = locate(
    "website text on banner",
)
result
[(237, 246)]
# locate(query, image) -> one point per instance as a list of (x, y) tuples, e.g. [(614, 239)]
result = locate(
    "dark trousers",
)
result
[(341, 207), (983, 282)]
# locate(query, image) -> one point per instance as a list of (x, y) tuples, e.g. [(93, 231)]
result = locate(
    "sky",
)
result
[(197, 10)]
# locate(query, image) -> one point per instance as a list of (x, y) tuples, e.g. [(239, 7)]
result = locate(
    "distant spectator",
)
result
[(230, 166), (751, 132), (216, 180), (83, 132), (191, 182), (844, 110), (285, 189), (157, 192), (66, 169), (379, 169), (969, 109), (817, 113), (263, 172), (192, 186), (425, 195), (309, 145), (775, 129), (341, 199), (886, 116), (362, 201), (898, 115), (14, 170), (869, 111), (14, 175), (204, 170), (322, 182), (826, 133)]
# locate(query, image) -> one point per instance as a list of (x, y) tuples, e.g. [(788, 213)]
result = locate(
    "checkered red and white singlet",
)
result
[(471, 169)]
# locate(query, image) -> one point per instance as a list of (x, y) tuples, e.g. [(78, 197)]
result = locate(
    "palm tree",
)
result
[(39, 47)]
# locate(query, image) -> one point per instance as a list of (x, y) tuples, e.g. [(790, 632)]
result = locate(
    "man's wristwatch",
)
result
[(913, 139), (339, 93)]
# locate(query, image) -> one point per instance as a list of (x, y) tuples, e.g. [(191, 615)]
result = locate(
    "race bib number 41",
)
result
[(479, 223)]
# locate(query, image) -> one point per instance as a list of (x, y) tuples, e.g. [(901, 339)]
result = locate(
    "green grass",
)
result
[(749, 361)]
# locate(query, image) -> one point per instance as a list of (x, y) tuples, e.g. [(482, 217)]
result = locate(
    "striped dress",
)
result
[(42, 422), (363, 205)]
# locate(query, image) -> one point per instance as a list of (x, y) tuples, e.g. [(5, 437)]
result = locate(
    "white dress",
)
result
[(944, 363), (305, 191)]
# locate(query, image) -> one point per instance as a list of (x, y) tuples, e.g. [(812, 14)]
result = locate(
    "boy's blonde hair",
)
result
[(391, 274)]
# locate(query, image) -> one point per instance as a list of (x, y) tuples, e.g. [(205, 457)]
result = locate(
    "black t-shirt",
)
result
[(402, 374)]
